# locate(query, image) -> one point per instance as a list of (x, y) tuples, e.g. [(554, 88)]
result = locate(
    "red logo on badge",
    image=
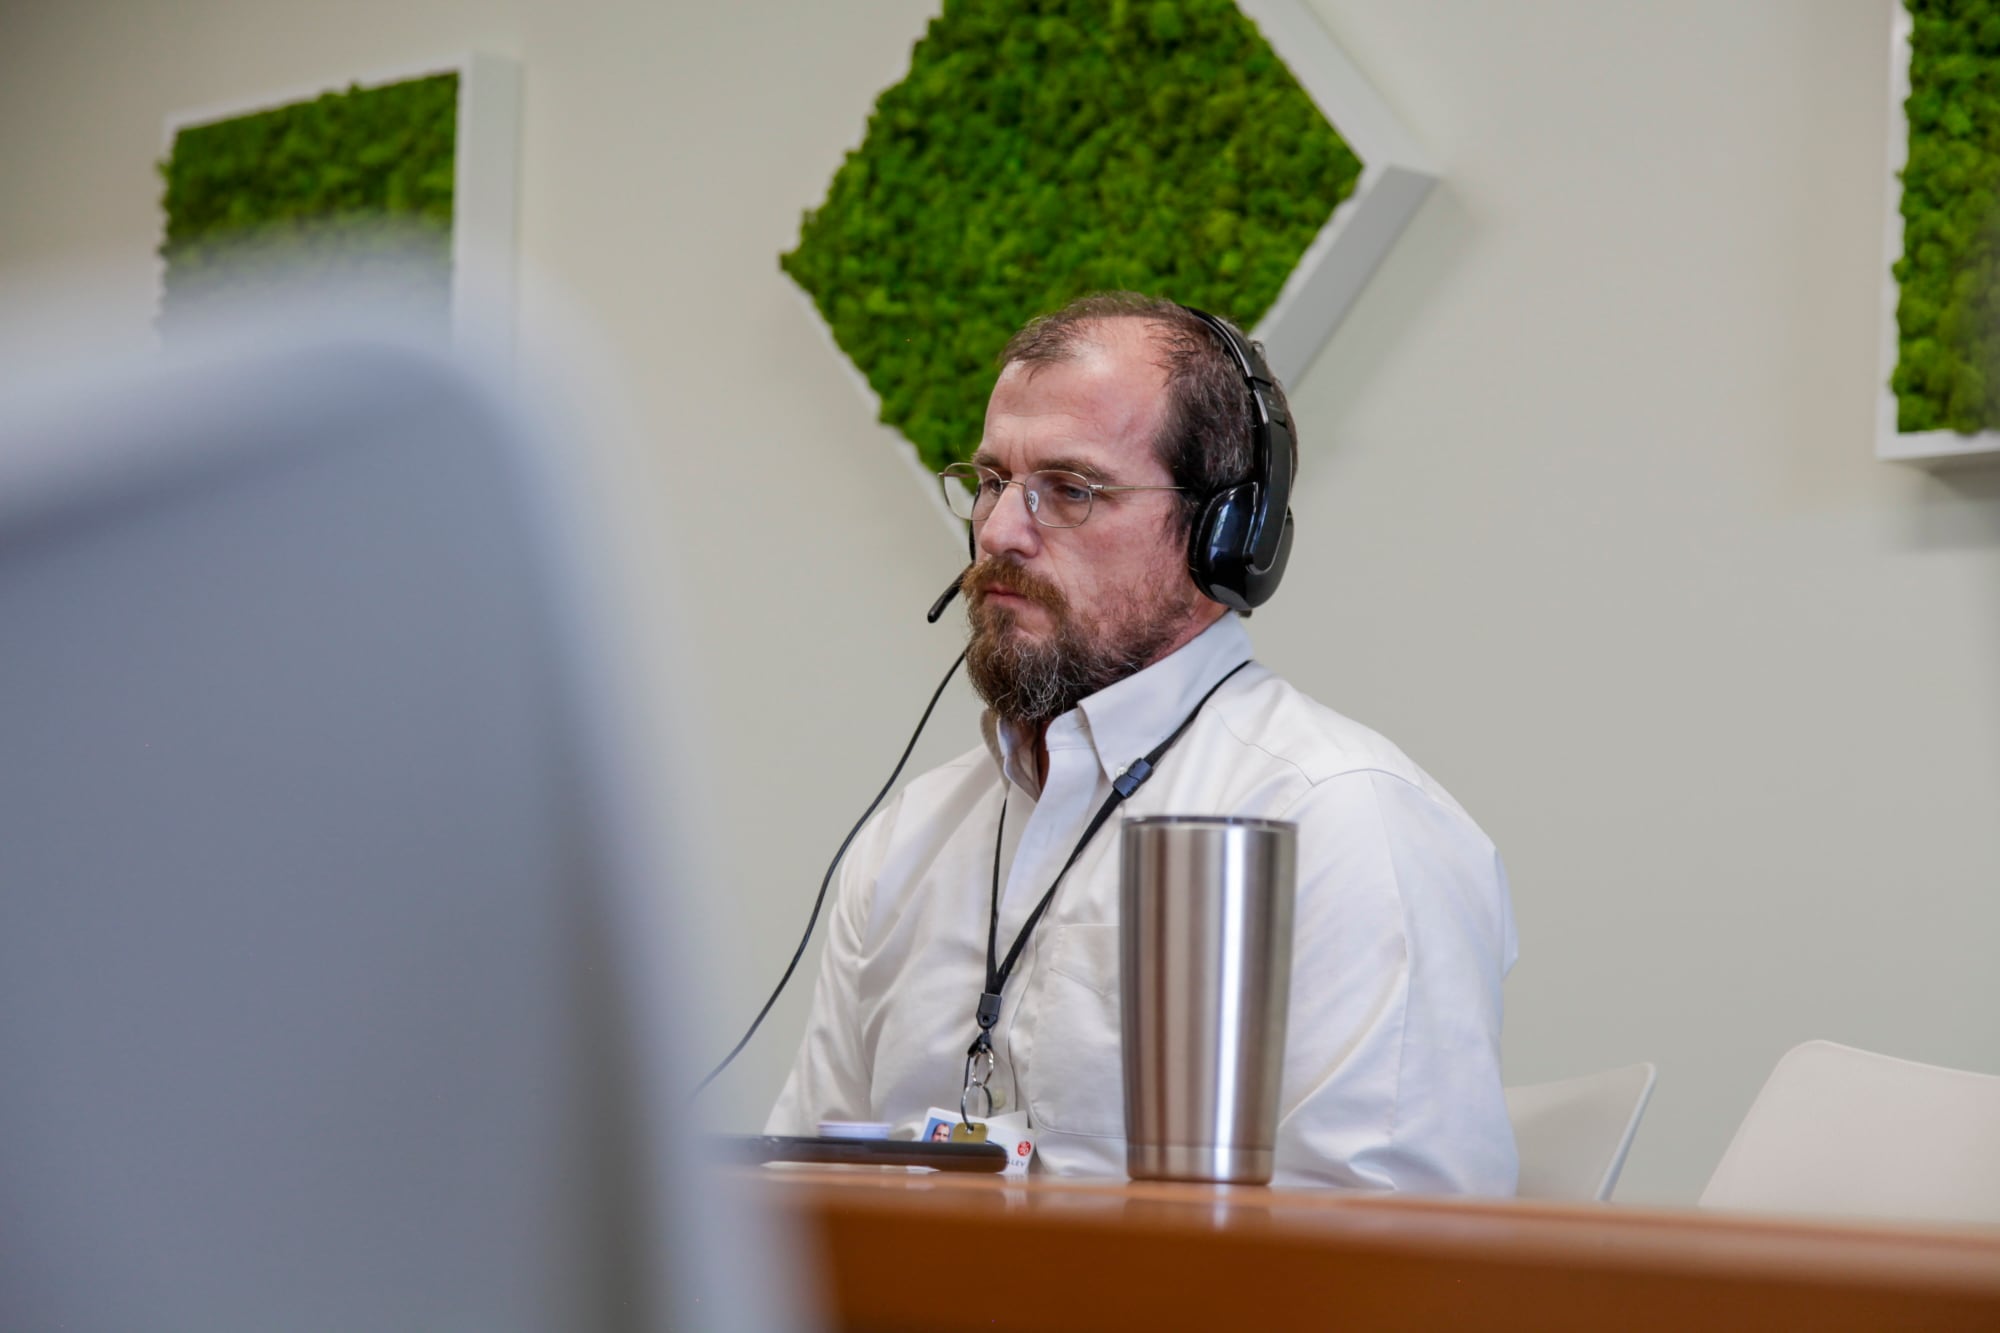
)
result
[(1023, 1148)]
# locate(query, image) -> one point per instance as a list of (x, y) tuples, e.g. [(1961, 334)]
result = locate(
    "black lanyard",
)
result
[(1129, 781)]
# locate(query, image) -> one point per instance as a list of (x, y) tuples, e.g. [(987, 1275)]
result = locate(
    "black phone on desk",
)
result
[(758, 1148)]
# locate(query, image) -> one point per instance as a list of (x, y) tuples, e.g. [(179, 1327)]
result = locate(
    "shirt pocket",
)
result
[(1077, 1078)]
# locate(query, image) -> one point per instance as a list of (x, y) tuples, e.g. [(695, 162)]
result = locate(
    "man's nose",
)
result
[(1010, 528)]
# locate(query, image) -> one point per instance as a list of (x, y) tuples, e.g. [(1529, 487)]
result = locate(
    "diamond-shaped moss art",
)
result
[(1038, 151)]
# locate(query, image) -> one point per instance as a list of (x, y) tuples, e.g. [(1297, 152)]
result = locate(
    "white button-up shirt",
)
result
[(1403, 933)]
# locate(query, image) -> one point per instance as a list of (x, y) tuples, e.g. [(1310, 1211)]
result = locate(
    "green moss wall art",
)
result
[(1944, 381), (391, 196), (1040, 149), (349, 187)]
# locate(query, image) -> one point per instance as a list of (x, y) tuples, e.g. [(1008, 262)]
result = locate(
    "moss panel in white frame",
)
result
[(485, 176), (1931, 448), (1333, 267)]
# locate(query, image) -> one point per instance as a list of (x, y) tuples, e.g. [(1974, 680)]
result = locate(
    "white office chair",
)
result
[(330, 942), (1840, 1131), (1573, 1134)]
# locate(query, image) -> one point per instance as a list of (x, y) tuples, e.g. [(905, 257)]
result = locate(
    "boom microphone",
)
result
[(944, 600)]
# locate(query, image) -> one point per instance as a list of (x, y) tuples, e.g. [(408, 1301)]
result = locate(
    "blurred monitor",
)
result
[(331, 945)]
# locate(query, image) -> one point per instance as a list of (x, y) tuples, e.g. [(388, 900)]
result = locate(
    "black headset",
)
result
[(1243, 536)]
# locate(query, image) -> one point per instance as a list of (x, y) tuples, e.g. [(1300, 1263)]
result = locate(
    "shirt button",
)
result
[(999, 1098)]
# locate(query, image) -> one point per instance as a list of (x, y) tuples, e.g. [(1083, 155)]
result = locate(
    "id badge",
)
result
[(1011, 1131)]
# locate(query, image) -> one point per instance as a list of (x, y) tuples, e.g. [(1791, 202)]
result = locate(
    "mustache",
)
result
[(992, 574)]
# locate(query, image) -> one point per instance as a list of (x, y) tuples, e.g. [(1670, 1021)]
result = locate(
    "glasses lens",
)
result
[(961, 485), (1062, 498)]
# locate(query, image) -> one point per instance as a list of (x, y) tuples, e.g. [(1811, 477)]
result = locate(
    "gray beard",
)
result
[(1029, 682)]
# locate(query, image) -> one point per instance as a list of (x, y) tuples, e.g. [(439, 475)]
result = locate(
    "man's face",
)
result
[(1059, 613)]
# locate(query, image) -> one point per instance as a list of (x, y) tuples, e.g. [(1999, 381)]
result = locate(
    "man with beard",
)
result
[(1112, 422)]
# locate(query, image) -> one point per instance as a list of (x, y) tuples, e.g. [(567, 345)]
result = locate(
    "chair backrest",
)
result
[(1573, 1134), (324, 939), (1843, 1132)]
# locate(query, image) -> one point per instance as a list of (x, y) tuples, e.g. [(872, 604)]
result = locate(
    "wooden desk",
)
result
[(907, 1251)]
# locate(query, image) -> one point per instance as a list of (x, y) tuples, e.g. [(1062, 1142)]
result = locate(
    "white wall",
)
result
[(1589, 522)]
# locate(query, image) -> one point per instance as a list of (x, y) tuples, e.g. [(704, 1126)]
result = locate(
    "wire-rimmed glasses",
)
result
[(1057, 499)]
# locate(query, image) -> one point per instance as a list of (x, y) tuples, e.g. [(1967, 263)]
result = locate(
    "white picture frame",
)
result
[(485, 184), (1930, 448), (1396, 176)]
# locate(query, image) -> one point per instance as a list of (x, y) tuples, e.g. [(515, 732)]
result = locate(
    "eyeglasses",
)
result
[(1056, 499)]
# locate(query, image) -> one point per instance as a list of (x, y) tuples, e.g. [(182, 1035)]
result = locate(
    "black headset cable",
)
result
[(820, 901)]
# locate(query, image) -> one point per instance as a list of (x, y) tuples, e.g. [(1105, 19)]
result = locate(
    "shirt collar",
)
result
[(1124, 721)]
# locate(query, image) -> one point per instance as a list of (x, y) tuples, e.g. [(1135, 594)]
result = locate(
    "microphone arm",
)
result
[(944, 599)]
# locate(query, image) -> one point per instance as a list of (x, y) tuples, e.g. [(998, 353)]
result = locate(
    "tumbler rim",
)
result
[(1215, 821)]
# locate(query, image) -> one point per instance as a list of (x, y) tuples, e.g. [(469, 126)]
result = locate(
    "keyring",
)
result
[(976, 1081)]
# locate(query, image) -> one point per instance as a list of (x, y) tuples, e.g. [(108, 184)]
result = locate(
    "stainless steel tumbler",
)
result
[(1205, 953)]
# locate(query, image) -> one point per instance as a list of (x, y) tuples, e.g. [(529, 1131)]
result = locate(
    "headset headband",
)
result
[(1238, 548)]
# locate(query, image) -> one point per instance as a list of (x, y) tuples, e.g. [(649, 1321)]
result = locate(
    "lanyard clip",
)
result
[(979, 1061), (979, 1065)]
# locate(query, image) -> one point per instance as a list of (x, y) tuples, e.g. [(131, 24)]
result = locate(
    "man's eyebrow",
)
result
[(1082, 467), (1087, 470)]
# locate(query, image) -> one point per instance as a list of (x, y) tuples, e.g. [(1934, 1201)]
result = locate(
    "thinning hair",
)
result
[(1204, 436)]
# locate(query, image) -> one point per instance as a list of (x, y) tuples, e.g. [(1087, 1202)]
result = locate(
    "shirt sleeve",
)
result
[(1402, 936), (830, 1075)]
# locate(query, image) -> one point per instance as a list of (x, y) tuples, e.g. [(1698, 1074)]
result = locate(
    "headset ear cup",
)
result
[(1259, 584), (1217, 546)]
